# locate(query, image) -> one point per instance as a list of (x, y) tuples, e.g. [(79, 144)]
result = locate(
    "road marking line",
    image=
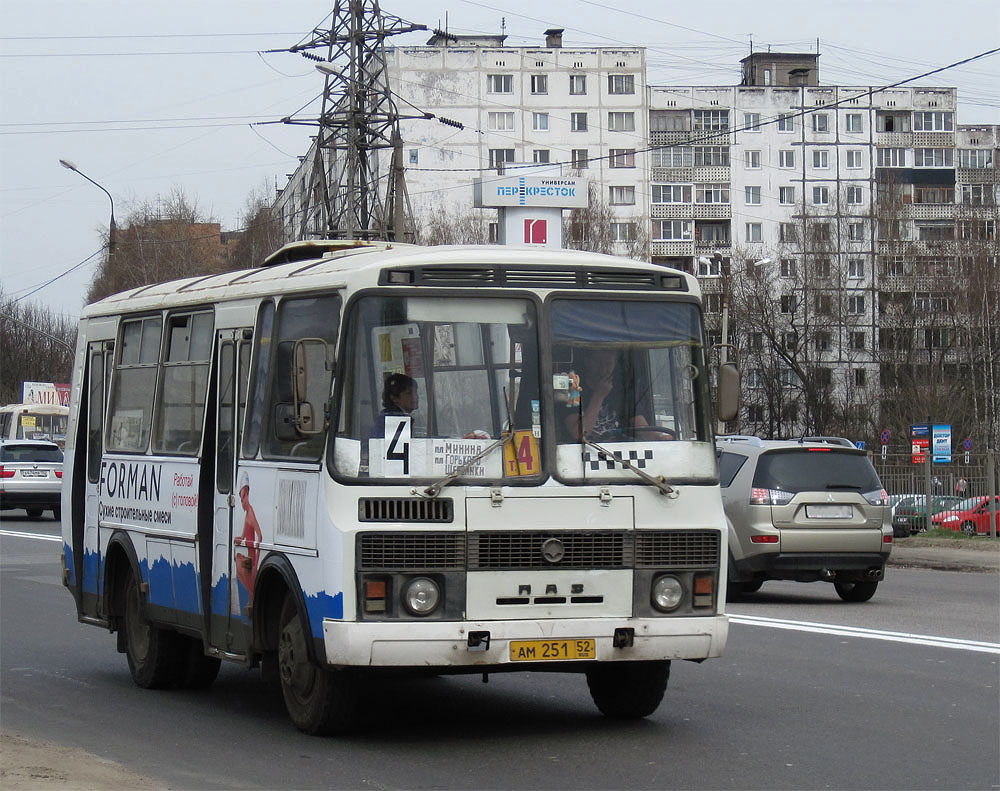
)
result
[(868, 634), (39, 536)]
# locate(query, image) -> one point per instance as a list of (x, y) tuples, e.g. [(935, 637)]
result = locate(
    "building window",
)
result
[(821, 268), (621, 196), (856, 304), (933, 122), (621, 83), (856, 231), (821, 159), (786, 123), (821, 196), (414, 156), (671, 193), (669, 121), (673, 157), (711, 120), (823, 304), (822, 340), (540, 156), (671, 230), (787, 303), (891, 157), (623, 231), (751, 122), (755, 379), (855, 195), (621, 122), (786, 158), (709, 267), (755, 413), (820, 232), (500, 156), (820, 122), (855, 268), (976, 194), (539, 83), (577, 84), (717, 232), (860, 378), (933, 157), (937, 195), (858, 340), (752, 195), (786, 196), (975, 158), (578, 122), (754, 232), (540, 122), (751, 159), (579, 159), (854, 159), (500, 83), (755, 341), (500, 122), (790, 340), (788, 232), (711, 156), (621, 158), (853, 122), (788, 268), (711, 193)]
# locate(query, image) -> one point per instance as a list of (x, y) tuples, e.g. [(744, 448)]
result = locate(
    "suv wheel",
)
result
[(855, 591)]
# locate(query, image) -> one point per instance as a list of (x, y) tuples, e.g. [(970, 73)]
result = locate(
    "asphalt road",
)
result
[(897, 693)]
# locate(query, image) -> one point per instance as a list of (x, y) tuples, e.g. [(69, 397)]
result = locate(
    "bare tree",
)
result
[(439, 225), (260, 232), (35, 346)]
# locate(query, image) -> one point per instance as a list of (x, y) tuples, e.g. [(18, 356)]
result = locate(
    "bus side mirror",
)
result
[(728, 396), (308, 353)]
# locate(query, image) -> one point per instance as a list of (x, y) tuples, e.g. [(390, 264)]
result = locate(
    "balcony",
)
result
[(672, 248), (933, 139), (672, 175), (671, 211), (894, 139), (713, 211)]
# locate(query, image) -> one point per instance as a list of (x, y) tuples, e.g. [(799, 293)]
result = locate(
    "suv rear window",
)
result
[(801, 470), (729, 465), (30, 453)]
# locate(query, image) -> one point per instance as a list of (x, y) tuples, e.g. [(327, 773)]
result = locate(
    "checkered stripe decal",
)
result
[(637, 458)]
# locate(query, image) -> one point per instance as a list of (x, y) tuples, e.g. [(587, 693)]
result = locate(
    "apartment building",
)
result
[(835, 197)]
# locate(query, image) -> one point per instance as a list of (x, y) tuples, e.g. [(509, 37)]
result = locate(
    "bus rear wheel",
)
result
[(628, 690), (320, 702), (198, 671), (154, 654)]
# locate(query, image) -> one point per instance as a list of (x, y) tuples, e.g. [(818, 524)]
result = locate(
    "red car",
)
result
[(971, 516)]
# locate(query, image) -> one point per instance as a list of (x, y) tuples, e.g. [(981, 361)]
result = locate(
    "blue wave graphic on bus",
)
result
[(173, 585)]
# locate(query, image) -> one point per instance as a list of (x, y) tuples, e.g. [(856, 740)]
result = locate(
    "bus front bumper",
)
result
[(450, 644)]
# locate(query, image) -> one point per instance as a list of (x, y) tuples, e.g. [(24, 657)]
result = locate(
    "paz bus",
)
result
[(34, 421), (240, 487)]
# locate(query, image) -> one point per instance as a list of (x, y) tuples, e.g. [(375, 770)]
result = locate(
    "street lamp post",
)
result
[(111, 233)]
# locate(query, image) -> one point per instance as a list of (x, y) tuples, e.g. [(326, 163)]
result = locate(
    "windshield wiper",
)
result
[(435, 488), (659, 481)]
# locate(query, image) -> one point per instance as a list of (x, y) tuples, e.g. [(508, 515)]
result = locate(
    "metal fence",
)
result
[(977, 477)]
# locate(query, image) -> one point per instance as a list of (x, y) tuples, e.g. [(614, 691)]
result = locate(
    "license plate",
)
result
[(829, 511), (34, 473), (551, 650)]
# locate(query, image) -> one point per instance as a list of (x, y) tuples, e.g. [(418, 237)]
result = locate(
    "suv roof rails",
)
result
[(842, 441), (741, 438)]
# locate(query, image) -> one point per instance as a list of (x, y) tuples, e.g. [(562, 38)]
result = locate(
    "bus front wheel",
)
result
[(154, 657), (319, 701), (628, 690)]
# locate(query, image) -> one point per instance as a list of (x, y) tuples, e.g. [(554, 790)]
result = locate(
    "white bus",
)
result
[(365, 456), (34, 421)]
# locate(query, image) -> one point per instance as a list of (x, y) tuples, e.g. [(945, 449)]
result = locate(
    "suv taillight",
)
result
[(6, 473), (770, 497), (880, 497)]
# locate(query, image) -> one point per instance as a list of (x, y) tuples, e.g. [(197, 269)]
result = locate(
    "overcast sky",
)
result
[(145, 97)]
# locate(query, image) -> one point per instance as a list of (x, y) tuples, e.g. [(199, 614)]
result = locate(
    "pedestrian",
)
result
[(961, 486)]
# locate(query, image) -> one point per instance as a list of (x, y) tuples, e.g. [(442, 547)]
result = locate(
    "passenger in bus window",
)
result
[(399, 397), (601, 413), (246, 565)]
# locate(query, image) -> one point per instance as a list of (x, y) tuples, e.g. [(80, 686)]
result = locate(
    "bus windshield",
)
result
[(433, 382), (626, 372)]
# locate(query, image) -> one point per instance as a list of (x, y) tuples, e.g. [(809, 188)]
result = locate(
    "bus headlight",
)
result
[(421, 596), (667, 593)]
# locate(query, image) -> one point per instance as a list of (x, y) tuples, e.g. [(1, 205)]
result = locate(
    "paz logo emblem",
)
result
[(553, 550)]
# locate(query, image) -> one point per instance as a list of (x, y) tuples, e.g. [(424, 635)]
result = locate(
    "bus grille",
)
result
[(410, 551), (678, 549), (405, 509), (523, 550)]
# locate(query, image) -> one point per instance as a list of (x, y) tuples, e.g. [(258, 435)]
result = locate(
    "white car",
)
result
[(30, 476)]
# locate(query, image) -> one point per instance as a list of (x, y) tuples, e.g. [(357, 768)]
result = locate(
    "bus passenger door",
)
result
[(88, 557), (227, 630)]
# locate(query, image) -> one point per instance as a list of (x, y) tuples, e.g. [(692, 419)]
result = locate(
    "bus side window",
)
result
[(184, 383), (261, 374), (310, 317), (134, 385)]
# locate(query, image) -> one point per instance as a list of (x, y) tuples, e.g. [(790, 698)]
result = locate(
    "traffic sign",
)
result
[(884, 437), (860, 444), (967, 444)]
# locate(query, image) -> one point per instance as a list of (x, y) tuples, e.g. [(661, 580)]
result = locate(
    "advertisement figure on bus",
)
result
[(246, 563)]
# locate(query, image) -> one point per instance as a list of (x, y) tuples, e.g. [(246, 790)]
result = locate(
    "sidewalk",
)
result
[(977, 555)]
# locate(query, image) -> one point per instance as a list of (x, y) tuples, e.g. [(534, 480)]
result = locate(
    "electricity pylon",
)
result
[(355, 188)]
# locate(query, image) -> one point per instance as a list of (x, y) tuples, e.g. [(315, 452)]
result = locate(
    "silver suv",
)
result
[(804, 511), (30, 476)]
